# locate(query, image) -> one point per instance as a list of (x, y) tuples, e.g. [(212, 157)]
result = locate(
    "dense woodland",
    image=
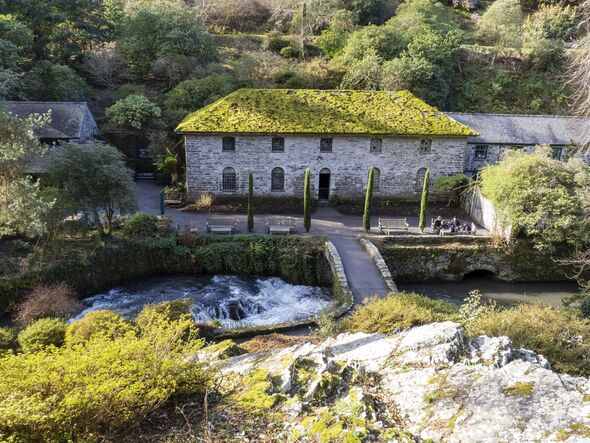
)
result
[(144, 64)]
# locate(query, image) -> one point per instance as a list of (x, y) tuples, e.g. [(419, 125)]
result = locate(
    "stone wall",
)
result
[(482, 211), (442, 259), (349, 161)]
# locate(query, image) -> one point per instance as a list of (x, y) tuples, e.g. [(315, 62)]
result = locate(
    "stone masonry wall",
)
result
[(348, 163)]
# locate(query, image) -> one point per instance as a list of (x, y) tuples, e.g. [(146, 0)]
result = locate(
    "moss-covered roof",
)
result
[(310, 111)]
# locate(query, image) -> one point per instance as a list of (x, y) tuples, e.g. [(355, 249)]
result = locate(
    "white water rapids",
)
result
[(235, 300)]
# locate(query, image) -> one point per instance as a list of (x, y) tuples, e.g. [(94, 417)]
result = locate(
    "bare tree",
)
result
[(579, 69), (104, 65)]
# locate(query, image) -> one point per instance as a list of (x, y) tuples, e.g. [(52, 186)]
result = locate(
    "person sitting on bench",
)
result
[(437, 225)]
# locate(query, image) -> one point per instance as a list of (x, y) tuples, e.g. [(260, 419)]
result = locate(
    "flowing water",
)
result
[(236, 301), (505, 294)]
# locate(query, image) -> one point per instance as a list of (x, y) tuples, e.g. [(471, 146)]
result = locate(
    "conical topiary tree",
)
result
[(424, 200), (307, 201), (368, 198), (250, 203)]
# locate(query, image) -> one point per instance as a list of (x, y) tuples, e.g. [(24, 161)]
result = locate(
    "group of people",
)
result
[(454, 225)]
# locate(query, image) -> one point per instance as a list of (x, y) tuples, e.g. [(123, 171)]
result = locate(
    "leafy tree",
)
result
[(47, 81), (412, 18), (95, 181), (24, 205), (190, 95), (371, 11), (384, 41), (501, 24), (147, 35), (257, 69), (333, 39), (134, 111), (16, 42), (250, 202), (364, 74), (424, 200), (540, 197), (168, 164), (62, 29), (241, 16), (307, 201), (368, 199)]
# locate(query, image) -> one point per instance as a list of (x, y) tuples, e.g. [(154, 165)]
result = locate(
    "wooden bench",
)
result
[(388, 225), (280, 225), (219, 225), (173, 198)]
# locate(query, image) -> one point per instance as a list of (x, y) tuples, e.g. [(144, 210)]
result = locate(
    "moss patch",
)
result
[(257, 393), (308, 111), (520, 389), (574, 429)]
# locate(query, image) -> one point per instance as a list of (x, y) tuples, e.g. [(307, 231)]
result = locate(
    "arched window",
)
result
[(277, 180), (228, 179), (420, 179), (376, 179)]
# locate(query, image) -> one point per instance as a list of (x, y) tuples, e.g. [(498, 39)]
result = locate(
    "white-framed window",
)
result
[(326, 145), (376, 179), (228, 144), (425, 146), (229, 180), (420, 175), (376, 145), (277, 180), (481, 152), (278, 144)]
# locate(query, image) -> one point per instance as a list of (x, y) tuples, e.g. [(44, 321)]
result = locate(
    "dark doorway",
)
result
[(324, 185)]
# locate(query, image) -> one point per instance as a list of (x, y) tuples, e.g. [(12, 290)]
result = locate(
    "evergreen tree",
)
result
[(368, 198), (307, 201), (424, 200), (250, 203)]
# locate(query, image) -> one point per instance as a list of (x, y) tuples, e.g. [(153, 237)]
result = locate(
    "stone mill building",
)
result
[(276, 134)]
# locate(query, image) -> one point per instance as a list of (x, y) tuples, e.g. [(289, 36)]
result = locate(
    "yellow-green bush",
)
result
[(558, 334), (6, 339), (101, 322), (41, 334), (171, 309), (93, 390), (397, 311)]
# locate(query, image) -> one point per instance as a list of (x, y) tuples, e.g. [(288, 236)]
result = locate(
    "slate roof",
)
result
[(311, 111), (525, 129), (67, 118)]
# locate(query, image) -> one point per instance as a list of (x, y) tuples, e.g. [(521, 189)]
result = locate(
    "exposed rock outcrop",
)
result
[(428, 382)]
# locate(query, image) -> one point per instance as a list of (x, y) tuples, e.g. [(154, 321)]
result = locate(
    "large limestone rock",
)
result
[(428, 382)]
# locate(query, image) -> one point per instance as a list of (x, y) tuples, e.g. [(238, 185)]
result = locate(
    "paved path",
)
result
[(342, 230)]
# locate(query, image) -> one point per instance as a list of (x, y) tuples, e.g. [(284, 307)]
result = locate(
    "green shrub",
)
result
[(6, 340), (558, 334), (41, 334), (101, 322), (290, 52), (140, 224), (397, 311), (92, 391)]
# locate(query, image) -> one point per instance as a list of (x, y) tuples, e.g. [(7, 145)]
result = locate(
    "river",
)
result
[(505, 294)]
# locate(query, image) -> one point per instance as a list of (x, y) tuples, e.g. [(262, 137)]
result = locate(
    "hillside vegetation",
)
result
[(146, 64)]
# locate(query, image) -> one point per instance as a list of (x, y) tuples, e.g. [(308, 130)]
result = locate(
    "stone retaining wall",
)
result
[(379, 262)]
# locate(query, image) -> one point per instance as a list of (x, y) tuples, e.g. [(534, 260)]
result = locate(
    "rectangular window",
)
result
[(376, 145), (557, 152), (481, 152), (278, 144), (425, 146), (326, 145), (228, 144)]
